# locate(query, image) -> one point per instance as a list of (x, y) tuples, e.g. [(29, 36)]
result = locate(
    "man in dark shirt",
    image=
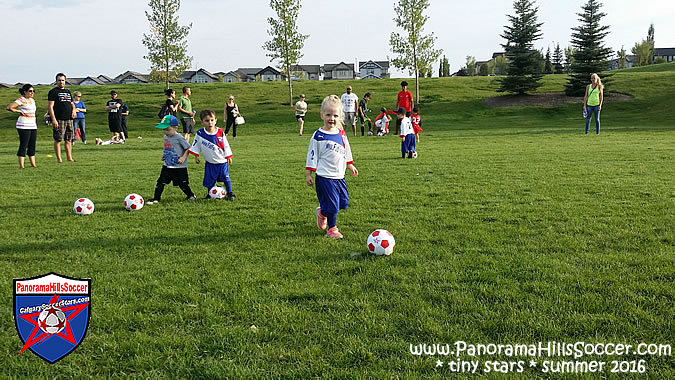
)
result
[(114, 118), (363, 112), (62, 112)]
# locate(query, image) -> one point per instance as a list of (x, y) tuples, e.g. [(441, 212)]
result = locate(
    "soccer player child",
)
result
[(382, 123), (175, 161), (416, 121), (407, 134), (329, 155), (212, 143)]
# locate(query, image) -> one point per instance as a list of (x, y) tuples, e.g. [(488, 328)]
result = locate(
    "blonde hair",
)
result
[(334, 100), (598, 80)]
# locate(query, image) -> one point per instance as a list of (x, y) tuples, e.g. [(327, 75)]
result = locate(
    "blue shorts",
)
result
[(408, 145), (332, 193), (215, 173)]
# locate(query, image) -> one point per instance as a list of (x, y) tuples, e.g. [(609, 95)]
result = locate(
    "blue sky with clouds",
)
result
[(95, 37)]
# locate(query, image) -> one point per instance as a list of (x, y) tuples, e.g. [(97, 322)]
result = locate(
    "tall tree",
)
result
[(440, 69), (569, 59), (470, 65), (523, 73), (621, 55), (413, 49), (558, 60), (591, 55), (548, 68), (446, 67), (643, 52), (286, 41), (501, 65), (166, 42), (650, 38)]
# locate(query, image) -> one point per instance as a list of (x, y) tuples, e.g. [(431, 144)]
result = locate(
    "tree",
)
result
[(444, 69), (440, 69), (166, 42), (621, 54), (501, 65), (569, 59), (650, 38), (523, 73), (558, 60), (286, 41), (470, 65), (643, 51), (591, 55), (483, 70), (413, 50), (548, 65)]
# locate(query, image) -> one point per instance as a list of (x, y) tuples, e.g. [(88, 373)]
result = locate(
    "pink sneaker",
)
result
[(321, 221), (333, 233)]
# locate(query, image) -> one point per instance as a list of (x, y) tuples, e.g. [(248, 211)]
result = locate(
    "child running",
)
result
[(329, 155), (212, 143), (175, 161), (416, 121), (407, 134)]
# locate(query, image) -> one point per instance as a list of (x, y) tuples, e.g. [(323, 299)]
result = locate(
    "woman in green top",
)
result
[(593, 102)]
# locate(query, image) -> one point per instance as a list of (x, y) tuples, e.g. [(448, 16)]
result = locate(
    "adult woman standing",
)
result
[(300, 112), (78, 121), (593, 102), (231, 112), (25, 124)]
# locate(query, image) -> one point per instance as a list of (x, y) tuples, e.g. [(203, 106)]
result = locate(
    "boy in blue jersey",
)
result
[(407, 134), (211, 142), (328, 156)]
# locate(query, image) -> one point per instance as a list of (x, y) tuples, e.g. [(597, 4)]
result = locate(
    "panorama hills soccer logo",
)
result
[(51, 314)]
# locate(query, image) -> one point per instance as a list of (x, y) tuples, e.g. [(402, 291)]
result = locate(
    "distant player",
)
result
[(407, 134), (382, 122), (212, 143), (416, 121), (175, 161), (363, 113), (404, 100), (350, 102), (329, 155)]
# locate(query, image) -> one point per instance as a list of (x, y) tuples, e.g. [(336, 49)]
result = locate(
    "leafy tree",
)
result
[(660, 60), (621, 54), (569, 59), (548, 68), (558, 60), (523, 73), (286, 41), (413, 50), (650, 38), (470, 65), (643, 51), (501, 65), (591, 55), (444, 70), (166, 42), (483, 70)]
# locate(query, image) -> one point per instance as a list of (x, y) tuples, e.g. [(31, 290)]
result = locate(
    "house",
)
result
[(104, 78), (248, 74), (481, 63), (91, 81), (269, 74), (667, 53), (306, 72), (131, 77), (234, 76), (338, 71), (498, 54), (199, 76), (5, 85), (374, 69), (631, 60)]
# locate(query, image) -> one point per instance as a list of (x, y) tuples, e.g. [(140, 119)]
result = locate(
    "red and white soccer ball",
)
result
[(381, 243), (52, 320), (133, 202), (217, 192), (414, 155), (83, 206)]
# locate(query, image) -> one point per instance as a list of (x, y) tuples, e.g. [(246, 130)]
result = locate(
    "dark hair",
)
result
[(401, 111), (383, 109), (367, 95), (415, 109), (185, 89), (404, 83), (168, 91), (206, 113), (60, 75), (25, 88), (113, 92)]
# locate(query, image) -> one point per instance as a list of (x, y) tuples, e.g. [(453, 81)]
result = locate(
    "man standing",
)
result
[(114, 118), (62, 112), (185, 114), (350, 102), (363, 112), (405, 101)]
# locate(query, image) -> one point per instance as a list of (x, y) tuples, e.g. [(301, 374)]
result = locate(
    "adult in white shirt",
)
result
[(350, 101), (300, 112), (26, 125)]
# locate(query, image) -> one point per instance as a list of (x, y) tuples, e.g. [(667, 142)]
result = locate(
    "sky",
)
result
[(93, 37)]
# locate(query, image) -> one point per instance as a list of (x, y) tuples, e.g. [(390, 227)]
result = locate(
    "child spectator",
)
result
[(416, 121), (175, 161), (382, 123), (407, 134), (212, 143), (124, 112), (329, 155)]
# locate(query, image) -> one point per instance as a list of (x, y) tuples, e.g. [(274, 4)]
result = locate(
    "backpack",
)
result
[(163, 111)]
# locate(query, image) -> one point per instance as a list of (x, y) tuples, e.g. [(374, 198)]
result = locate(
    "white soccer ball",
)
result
[(52, 320), (133, 202), (381, 243), (83, 206), (217, 192), (414, 155)]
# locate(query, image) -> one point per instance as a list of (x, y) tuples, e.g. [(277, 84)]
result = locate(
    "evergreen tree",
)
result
[(650, 38), (569, 59), (523, 72), (548, 68), (446, 67), (591, 55), (558, 60), (440, 69)]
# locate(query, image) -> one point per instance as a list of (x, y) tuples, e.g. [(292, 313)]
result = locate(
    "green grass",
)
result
[(511, 227)]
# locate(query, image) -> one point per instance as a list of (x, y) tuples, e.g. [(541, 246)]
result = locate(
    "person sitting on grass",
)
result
[(175, 161), (212, 143), (407, 134)]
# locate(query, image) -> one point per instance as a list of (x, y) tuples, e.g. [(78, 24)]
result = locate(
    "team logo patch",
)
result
[(51, 313)]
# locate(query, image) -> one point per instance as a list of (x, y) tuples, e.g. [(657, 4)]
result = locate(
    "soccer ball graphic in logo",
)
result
[(381, 243), (83, 206), (217, 192), (52, 320), (414, 155), (133, 202)]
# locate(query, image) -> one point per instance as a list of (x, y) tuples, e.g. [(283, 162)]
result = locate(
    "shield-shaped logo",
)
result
[(51, 313)]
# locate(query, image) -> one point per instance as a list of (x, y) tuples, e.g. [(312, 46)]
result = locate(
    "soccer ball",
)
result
[(217, 192), (381, 243), (83, 206), (414, 155), (133, 202), (52, 320), (370, 133)]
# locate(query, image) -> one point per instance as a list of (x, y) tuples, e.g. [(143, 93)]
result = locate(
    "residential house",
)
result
[(269, 74), (199, 76), (248, 74), (105, 79), (91, 81), (131, 77), (5, 85), (631, 60), (235, 76), (306, 72), (340, 71), (667, 53), (374, 69)]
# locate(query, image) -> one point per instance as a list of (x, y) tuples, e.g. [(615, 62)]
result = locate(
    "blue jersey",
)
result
[(329, 154), (214, 147)]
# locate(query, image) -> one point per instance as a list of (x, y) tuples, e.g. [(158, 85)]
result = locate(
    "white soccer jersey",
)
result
[(329, 154), (349, 101), (214, 147), (406, 127)]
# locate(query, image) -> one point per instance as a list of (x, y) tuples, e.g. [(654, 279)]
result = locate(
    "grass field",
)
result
[(512, 227)]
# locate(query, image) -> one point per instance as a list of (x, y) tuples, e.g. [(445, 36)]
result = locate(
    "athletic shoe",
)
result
[(333, 233), (230, 196), (321, 221), (191, 198), (151, 201)]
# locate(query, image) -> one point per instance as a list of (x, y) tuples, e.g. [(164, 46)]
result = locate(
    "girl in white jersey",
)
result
[(328, 156), (26, 125)]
